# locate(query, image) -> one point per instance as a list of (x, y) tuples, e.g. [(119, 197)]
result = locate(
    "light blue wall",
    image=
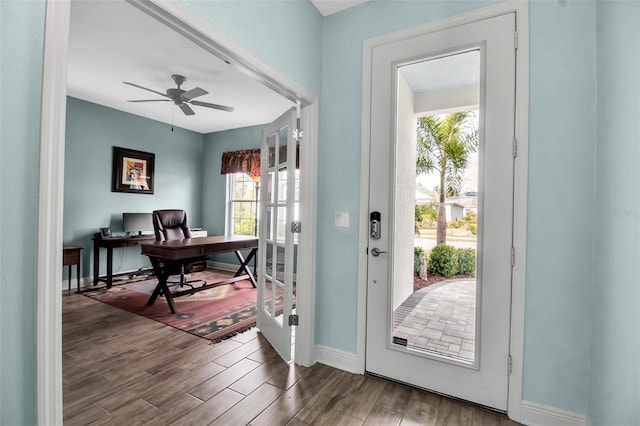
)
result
[(285, 33), (92, 132), (214, 187), (339, 153), (21, 47), (615, 362), (560, 207)]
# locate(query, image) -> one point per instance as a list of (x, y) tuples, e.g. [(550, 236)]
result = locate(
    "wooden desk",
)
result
[(166, 256), (71, 256), (110, 243)]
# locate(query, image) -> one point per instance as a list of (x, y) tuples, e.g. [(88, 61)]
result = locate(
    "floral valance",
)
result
[(248, 161)]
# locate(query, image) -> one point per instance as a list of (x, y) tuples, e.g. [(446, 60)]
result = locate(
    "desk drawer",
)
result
[(71, 257)]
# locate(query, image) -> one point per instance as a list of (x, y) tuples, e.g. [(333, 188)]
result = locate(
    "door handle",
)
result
[(375, 252)]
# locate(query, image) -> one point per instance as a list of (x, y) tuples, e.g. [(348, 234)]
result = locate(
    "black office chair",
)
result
[(172, 225)]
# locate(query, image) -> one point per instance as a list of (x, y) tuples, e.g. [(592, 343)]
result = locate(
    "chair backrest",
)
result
[(170, 225)]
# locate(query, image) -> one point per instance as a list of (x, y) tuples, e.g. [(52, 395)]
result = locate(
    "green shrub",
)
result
[(473, 228), (417, 251), (458, 223), (467, 261), (443, 260)]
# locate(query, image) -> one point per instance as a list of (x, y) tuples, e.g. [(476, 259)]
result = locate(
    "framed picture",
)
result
[(132, 171)]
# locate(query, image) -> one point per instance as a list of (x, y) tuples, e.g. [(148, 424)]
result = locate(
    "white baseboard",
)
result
[(336, 358), (229, 267), (534, 414), (87, 282)]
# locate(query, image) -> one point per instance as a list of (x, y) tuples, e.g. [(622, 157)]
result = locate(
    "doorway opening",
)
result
[(50, 211)]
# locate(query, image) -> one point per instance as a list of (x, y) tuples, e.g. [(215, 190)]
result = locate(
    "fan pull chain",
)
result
[(173, 108)]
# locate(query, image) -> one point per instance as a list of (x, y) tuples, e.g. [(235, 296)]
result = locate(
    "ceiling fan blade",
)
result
[(193, 93), (186, 109), (214, 106), (150, 100), (144, 88)]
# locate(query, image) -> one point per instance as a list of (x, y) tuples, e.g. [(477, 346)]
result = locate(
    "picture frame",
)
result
[(132, 171)]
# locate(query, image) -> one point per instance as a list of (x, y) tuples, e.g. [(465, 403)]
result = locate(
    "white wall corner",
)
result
[(534, 414), (347, 361)]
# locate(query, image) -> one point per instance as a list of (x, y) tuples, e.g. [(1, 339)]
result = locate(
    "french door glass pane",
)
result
[(282, 142), (271, 143)]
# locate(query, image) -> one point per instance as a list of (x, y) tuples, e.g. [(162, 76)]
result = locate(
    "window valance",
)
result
[(248, 161), (240, 161)]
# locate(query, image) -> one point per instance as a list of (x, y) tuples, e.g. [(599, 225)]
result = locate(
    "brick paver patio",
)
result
[(440, 318)]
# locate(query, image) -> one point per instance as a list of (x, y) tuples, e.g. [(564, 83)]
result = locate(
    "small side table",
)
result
[(71, 256)]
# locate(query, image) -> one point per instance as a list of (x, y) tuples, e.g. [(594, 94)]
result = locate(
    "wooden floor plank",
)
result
[(380, 416), (133, 413), (209, 388), (253, 380), (292, 400), (250, 407), (86, 414), (120, 368), (210, 410)]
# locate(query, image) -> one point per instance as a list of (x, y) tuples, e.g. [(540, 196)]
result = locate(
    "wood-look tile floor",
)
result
[(123, 369)]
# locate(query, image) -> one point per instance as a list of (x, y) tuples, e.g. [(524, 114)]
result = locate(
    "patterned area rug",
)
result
[(215, 314)]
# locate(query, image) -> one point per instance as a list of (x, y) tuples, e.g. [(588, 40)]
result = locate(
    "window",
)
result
[(242, 204)]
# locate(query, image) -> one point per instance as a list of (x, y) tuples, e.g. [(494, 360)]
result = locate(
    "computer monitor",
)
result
[(137, 223)]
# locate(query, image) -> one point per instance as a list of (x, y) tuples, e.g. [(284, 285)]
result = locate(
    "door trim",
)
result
[(48, 333), (516, 338)]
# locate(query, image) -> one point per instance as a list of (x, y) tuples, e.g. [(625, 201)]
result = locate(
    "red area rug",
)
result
[(215, 314)]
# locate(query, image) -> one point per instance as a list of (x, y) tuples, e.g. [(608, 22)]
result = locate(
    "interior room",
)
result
[(576, 363), (187, 149)]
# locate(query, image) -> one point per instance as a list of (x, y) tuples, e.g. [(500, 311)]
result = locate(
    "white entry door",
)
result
[(481, 377), (277, 233)]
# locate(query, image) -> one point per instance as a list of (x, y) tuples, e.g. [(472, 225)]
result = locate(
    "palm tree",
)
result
[(444, 145)]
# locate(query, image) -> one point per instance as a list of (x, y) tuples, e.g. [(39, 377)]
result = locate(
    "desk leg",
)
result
[(109, 267), (96, 262), (244, 266), (69, 278), (78, 271), (162, 286)]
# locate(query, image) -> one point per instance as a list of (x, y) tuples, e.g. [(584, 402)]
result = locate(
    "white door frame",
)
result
[(521, 9), (51, 184)]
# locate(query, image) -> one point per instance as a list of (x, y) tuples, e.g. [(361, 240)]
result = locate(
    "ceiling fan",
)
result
[(181, 97)]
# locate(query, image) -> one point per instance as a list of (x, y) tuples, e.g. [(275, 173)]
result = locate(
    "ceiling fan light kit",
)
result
[(181, 97)]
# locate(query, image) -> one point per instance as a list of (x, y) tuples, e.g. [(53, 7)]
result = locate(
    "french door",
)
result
[(466, 355), (277, 233)]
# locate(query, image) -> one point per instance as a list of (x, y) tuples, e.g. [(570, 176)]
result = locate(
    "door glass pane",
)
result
[(271, 143), (296, 204), (282, 185), (278, 303), (281, 224), (269, 223), (268, 297), (272, 260), (282, 145), (270, 188), (437, 218)]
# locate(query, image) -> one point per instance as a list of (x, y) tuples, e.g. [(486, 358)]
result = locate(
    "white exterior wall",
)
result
[(404, 194)]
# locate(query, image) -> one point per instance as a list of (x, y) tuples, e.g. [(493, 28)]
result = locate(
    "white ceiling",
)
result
[(447, 72), (112, 41), (329, 7)]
